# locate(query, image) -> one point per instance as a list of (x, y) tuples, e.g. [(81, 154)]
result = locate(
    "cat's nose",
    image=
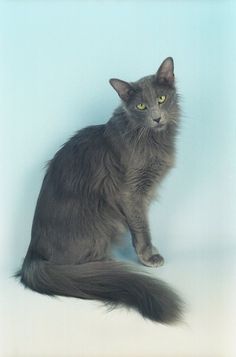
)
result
[(157, 120)]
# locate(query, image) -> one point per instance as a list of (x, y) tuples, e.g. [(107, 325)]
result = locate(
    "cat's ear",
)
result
[(165, 73), (123, 88)]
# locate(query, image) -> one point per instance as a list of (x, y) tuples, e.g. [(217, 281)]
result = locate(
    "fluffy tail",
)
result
[(108, 281)]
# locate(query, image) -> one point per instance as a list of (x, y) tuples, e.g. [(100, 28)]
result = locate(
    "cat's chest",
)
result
[(144, 174)]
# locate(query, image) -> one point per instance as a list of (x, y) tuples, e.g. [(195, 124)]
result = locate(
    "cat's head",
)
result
[(152, 101)]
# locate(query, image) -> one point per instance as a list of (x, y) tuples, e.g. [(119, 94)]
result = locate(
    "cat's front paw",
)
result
[(155, 260)]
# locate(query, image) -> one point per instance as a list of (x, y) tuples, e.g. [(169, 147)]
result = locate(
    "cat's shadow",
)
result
[(124, 251)]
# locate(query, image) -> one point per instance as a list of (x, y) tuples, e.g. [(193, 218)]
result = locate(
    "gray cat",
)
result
[(99, 185)]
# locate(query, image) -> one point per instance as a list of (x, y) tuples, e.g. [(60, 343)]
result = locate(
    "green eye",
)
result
[(161, 99), (141, 106)]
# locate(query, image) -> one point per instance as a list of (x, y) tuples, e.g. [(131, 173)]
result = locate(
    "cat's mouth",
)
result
[(160, 126)]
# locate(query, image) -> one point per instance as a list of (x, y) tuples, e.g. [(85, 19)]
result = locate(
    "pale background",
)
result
[(56, 58)]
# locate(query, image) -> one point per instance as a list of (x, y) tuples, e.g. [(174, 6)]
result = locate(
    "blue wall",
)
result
[(56, 60)]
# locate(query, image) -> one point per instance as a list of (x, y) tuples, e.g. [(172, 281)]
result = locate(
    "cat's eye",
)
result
[(141, 106), (161, 99)]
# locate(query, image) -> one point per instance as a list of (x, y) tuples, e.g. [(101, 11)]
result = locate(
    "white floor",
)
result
[(35, 325)]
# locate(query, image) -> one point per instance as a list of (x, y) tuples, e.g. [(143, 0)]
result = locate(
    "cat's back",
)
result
[(86, 142), (88, 136), (78, 159)]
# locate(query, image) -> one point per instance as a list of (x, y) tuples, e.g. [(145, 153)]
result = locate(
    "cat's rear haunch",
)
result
[(97, 186)]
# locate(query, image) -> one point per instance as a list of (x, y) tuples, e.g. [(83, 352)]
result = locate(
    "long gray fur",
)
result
[(99, 185)]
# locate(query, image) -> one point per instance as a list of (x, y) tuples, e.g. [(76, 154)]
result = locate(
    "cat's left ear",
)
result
[(165, 73)]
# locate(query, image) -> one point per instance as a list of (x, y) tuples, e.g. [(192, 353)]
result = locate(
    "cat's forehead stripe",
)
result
[(148, 89)]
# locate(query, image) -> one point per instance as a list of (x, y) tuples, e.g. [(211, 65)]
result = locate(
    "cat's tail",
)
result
[(111, 282)]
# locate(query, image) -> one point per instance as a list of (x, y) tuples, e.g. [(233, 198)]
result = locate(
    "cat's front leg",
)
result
[(147, 253), (141, 238)]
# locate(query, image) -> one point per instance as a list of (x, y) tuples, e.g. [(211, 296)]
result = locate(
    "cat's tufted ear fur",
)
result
[(123, 88), (165, 73)]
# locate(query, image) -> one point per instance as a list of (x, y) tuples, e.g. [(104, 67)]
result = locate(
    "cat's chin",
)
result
[(160, 127)]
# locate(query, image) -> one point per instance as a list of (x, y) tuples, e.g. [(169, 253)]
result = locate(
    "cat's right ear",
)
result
[(123, 88)]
